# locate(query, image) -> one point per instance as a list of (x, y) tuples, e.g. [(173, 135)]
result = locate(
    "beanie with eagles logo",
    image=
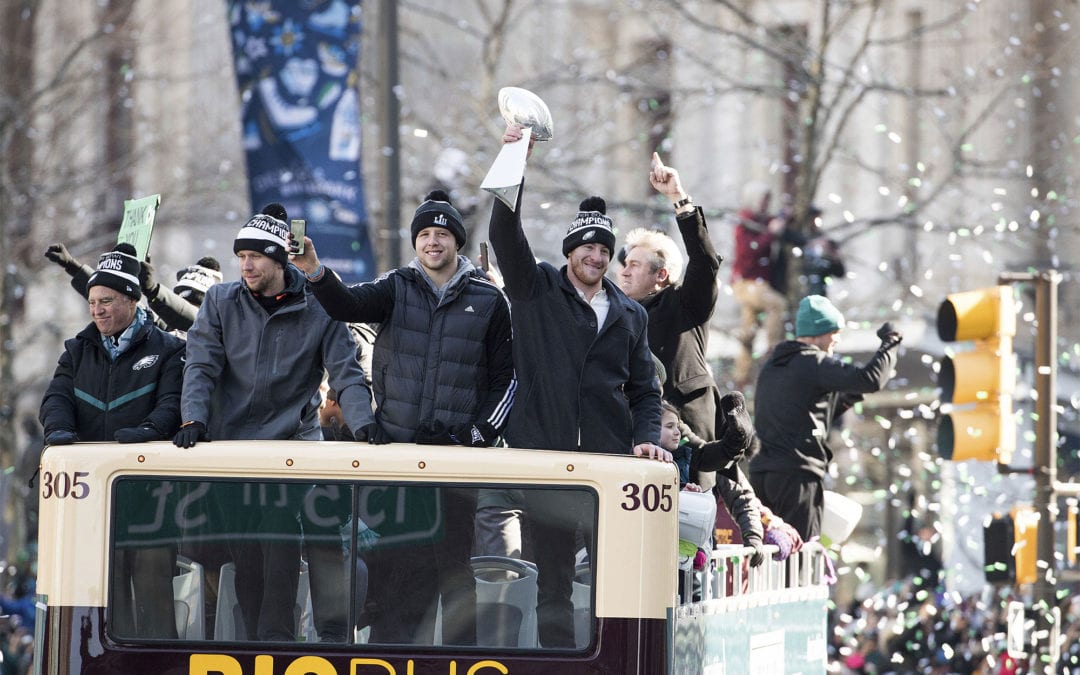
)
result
[(265, 234), (591, 226)]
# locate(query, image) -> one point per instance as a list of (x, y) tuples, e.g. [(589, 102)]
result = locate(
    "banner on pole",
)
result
[(296, 67)]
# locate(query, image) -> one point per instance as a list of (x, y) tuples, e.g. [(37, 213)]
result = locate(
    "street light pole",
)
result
[(1045, 460), (391, 122)]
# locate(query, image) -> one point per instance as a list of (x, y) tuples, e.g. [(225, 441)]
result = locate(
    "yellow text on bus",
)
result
[(215, 664)]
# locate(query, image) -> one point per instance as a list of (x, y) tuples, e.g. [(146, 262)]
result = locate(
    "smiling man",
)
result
[(582, 356), (119, 379), (442, 364), (679, 294), (443, 372)]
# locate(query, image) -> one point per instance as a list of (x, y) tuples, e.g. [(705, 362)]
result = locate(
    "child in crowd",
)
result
[(735, 433), (672, 440)]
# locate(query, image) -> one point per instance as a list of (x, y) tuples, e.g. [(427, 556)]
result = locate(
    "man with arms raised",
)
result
[(679, 305), (443, 373), (587, 379)]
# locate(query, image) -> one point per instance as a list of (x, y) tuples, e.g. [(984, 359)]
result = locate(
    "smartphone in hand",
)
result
[(299, 229)]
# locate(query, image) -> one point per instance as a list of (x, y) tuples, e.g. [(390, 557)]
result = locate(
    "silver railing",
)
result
[(728, 573)]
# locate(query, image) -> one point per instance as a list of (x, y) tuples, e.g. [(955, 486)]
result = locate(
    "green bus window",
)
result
[(451, 565)]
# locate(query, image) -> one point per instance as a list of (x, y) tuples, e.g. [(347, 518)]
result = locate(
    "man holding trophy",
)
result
[(571, 325)]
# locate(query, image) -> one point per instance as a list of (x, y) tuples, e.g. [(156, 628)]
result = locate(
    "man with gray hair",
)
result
[(679, 307), (120, 379)]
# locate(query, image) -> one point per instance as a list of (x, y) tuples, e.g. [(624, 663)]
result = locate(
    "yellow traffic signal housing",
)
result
[(1025, 543), (1071, 532), (977, 384)]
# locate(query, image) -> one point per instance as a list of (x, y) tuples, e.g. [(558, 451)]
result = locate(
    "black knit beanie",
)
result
[(590, 226), (264, 234), (437, 211), (119, 270)]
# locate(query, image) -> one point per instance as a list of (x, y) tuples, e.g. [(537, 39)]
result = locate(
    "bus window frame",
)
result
[(592, 546)]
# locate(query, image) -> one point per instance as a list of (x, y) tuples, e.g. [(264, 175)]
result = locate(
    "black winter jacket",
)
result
[(742, 504), (679, 329), (94, 396), (449, 361), (800, 391), (578, 389), (175, 312)]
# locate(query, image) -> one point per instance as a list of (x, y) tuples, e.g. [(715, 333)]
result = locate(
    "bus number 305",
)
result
[(650, 497), (61, 485)]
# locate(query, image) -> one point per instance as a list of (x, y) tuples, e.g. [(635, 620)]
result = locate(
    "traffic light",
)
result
[(999, 536), (1071, 524), (1009, 546), (977, 383)]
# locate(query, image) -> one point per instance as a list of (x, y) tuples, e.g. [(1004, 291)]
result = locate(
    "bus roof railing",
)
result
[(728, 574)]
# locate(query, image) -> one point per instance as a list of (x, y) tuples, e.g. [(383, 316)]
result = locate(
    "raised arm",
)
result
[(369, 302), (854, 379), (78, 271), (176, 312), (516, 260), (702, 267)]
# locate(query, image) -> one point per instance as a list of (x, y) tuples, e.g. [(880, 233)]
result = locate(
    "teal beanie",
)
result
[(817, 316)]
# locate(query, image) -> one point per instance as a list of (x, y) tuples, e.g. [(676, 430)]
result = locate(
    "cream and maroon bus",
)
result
[(330, 558)]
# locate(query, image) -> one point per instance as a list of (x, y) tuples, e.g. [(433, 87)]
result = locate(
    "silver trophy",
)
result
[(523, 107)]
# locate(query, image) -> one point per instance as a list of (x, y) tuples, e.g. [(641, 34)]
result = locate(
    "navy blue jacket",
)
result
[(445, 359), (578, 389), (94, 396)]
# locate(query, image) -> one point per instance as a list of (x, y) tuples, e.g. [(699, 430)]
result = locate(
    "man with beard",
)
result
[(255, 360), (589, 384)]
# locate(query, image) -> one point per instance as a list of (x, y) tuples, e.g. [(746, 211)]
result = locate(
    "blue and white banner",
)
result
[(296, 66)]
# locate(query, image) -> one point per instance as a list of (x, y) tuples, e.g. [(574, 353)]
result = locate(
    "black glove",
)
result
[(61, 437), (477, 434), (434, 432), (890, 337), (738, 431), (758, 556), (58, 253), (372, 433), (150, 286), (190, 434), (142, 434)]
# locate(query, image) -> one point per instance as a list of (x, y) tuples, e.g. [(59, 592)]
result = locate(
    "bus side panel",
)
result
[(75, 644), (733, 636)]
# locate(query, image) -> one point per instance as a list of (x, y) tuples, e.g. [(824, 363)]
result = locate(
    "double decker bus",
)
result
[(146, 555)]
